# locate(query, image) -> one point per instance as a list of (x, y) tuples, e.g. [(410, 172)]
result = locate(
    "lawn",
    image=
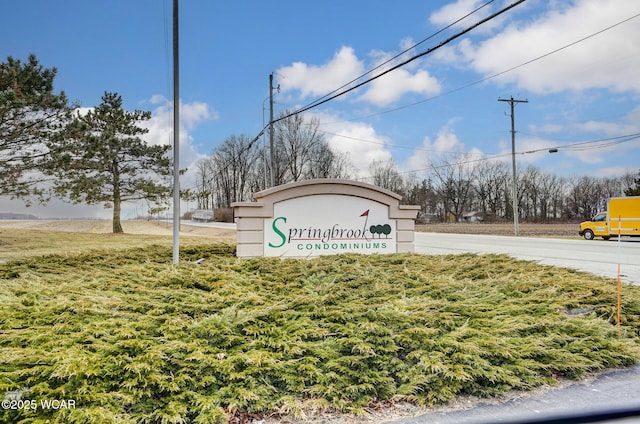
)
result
[(129, 338)]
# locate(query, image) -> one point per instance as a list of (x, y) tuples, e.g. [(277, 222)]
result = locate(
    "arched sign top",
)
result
[(324, 216), (330, 186)]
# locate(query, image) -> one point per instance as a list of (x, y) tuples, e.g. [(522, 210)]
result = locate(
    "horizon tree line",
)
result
[(453, 186), (48, 149)]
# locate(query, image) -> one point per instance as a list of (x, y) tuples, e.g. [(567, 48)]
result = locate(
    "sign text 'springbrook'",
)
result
[(324, 235)]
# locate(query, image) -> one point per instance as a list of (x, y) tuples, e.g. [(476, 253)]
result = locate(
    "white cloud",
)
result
[(451, 55), (55, 209), (630, 124), (445, 144), (450, 13), (361, 144), (391, 87), (318, 80), (313, 80), (547, 128), (529, 149), (191, 114), (359, 141), (161, 130), (615, 171), (82, 111), (607, 60), (600, 126)]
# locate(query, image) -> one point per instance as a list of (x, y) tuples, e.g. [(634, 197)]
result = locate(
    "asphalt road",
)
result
[(610, 392), (598, 257), (595, 256)]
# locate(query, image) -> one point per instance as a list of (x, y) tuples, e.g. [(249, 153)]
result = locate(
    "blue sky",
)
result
[(576, 62)]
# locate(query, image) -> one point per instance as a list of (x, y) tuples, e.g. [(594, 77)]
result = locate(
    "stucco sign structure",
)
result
[(322, 217)]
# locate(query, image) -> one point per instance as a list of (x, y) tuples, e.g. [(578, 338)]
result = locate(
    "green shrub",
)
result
[(131, 338)]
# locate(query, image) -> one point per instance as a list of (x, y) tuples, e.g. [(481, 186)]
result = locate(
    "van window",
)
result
[(601, 217)]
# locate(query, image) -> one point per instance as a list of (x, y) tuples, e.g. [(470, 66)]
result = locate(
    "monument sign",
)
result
[(321, 217)]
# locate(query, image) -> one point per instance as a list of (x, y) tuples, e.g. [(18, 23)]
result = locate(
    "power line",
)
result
[(326, 99), (572, 146), (591, 145), (490, 77), (614, 141), (381, 143), (398, 55), (316, 103), (431, 50)]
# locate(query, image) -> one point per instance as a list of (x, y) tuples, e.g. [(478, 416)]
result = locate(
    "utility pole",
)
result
[(271, 152), (511, 100)]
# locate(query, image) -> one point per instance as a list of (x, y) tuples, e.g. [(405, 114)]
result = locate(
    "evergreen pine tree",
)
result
[(30, 114), (101, 159)]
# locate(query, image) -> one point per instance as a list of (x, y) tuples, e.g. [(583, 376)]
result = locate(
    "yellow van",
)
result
[(622, 217)]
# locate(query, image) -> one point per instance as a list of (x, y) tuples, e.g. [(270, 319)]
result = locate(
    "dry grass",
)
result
[(70, 237)]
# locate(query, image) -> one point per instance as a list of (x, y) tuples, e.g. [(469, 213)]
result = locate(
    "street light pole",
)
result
[(516, 227), (176, 137), (271, 152)]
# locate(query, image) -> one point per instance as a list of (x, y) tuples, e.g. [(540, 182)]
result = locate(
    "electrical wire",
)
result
[(490, 77), (578, 146), (591, 145), (398, 55), (393, 68), (325, 99)]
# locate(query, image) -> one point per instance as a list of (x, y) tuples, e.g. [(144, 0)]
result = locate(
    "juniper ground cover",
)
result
[(131, 338)]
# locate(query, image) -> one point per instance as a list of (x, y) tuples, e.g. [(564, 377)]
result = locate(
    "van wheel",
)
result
[(588, 235)]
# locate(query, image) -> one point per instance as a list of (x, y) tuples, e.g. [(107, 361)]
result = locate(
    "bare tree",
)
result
[(489, 186), (204, 184), (551, 188), (612, 187), (301, 152), (385, 175), (325, 163), (631, 184), (585, 197), (232, 165), (296, 143), (454, 182), (530, 201), (421, 193)]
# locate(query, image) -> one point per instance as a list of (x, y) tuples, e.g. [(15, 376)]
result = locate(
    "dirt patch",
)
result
[(505, 229)]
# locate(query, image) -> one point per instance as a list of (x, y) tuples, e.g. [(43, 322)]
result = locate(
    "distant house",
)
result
[(426, 218), (202, 215), (472, 216)]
